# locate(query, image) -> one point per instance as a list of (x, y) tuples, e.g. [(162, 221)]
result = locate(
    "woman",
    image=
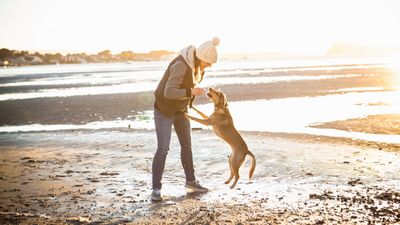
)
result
[(174, 94)]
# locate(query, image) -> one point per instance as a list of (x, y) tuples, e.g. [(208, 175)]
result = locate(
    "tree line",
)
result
[(22, 58)]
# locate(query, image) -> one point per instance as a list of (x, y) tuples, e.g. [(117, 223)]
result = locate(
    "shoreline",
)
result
[(300, 137)]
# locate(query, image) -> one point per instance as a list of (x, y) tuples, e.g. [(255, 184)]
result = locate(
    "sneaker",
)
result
[(156, 195), (195, 186)]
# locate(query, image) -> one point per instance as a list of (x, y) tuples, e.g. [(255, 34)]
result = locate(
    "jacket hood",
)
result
[(188, 55)]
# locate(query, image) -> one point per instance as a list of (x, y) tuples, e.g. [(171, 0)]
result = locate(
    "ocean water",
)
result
[(291, 115), (93, 79)]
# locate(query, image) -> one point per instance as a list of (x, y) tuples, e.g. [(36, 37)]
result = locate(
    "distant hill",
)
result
[(360, 50)]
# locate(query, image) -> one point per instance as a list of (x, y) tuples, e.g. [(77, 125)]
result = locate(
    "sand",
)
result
[(104, 177)]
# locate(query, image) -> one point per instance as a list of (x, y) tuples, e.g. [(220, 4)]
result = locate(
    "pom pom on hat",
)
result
[(215, 41), (207, 52)]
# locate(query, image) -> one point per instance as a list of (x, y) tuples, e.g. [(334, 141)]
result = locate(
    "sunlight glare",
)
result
[(394, 65)]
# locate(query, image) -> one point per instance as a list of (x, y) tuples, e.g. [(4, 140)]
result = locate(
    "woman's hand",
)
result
[(197, 91)]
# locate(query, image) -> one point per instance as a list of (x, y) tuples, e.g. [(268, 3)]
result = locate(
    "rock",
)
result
[(60, 176), (78, 220), (93, 180), (354, 182), (109, 173), (90, 192), (203, 208)]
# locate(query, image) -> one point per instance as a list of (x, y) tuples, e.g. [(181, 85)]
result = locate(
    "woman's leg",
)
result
[(163, 126), (183, 131)]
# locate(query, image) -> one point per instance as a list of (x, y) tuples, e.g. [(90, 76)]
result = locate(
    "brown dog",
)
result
[(222, 124)]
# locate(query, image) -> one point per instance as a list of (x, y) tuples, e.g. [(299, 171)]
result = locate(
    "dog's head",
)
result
[(218, 97)]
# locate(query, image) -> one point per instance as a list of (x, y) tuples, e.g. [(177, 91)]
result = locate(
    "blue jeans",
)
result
[(163, 130)]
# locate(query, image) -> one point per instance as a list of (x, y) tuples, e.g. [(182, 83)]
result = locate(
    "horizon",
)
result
[(367, 53), (286, 27)]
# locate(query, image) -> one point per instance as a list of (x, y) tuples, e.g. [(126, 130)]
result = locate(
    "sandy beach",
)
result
[(103, 176), (313, 96)]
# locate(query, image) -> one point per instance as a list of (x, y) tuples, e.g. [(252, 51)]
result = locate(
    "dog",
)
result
[(222, 123)]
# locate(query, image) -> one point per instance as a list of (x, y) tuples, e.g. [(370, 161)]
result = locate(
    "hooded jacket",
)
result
[(173, 93)]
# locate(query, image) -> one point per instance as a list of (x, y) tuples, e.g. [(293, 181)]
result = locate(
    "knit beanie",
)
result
[(207, 52)]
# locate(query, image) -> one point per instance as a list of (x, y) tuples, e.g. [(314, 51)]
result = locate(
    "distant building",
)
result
[(75, 58), (35, 60)]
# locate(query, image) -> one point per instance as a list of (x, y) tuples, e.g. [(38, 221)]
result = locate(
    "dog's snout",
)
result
[(211, 90)]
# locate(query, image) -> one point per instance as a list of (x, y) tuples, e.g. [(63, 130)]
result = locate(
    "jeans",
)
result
[(182, 128)]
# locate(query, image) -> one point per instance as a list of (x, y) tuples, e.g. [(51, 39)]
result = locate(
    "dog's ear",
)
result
[(225, 101)]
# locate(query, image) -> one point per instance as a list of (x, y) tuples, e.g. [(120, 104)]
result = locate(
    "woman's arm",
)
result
[(172, 87)]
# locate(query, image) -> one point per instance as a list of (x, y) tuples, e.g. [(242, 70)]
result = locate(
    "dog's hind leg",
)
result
[(237, 162), (231, 169), (236, 173)]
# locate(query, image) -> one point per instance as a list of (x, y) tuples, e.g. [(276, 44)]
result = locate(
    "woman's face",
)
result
[(204, 65)]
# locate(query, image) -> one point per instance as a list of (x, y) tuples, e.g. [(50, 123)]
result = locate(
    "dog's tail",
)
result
[(253, 164)]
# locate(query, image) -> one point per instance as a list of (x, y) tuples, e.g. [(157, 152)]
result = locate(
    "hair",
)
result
[(196, 68)]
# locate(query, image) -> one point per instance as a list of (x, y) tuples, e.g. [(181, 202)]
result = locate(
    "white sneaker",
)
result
[(195, 186), (156, 195)]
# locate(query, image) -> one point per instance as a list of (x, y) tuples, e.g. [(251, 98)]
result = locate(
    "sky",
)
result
[(308, 27)]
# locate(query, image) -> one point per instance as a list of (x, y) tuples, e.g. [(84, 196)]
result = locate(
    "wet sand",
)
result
[(85, 109), (375, 124), (104, 177)]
